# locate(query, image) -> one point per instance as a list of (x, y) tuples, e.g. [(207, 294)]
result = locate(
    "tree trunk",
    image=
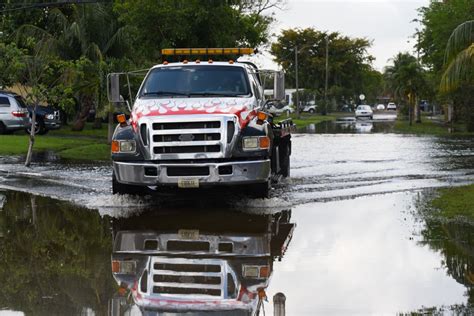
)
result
[(32, 138), (418, 111), (97, 123), (80, 122), (470, 122)]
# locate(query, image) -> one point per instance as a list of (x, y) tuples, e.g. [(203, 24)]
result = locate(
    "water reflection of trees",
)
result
[(455, 241), (55, 258)]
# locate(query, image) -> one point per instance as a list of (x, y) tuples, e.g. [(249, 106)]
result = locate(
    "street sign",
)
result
[(362, 97)]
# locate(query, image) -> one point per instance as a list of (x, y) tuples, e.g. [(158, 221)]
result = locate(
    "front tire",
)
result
[(311, 111), (120, 188), (39, 128), (260, 190), (285, 152)]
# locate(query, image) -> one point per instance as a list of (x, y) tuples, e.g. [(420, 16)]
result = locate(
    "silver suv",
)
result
[(13, 113)]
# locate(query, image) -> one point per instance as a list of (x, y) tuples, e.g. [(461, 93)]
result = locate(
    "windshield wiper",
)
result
[(215, 94), (166, 93)]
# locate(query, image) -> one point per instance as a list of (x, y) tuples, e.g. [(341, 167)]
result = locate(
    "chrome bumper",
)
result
[(242, 172)]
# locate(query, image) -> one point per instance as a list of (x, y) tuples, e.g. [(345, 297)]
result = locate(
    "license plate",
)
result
[(189, 234), (188, 183)]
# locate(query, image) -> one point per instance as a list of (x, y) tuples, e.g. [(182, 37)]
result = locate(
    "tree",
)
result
[(349, 61), (438, 21), (89, 31), (406, 80), (154, 25), (459, 59), (459, 71), (11, 63)]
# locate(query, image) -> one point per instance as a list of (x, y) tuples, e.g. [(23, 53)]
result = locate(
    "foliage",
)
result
[(405, 77), (349, 61), (55, 258), (153, 25), (438, 21), (12, 64), (459, 57), (456, 201)]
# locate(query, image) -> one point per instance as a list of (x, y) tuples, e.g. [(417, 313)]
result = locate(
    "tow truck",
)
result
[(198, 124)]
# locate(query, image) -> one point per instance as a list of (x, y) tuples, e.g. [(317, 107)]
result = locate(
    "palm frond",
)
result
[(117, 39), (459, 69), (462, 37)]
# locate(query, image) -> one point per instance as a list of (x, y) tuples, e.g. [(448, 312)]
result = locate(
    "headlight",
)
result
[(123, 146), (255, 143), (255, 272), (49, 116)]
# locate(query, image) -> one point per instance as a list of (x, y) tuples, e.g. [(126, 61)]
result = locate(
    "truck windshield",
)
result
[(196, 81)]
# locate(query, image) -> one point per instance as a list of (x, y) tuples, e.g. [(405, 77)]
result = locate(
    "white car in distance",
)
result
[(380, 107), (391, 106), (364, 111)]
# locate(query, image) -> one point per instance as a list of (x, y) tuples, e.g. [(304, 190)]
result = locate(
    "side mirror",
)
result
[(113, 88), (279, 86)]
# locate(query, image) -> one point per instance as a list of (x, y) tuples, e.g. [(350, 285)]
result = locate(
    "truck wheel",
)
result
[(120, 188), (3, 128), (285, 152), (311, 111), (260, 190), (43, 131)]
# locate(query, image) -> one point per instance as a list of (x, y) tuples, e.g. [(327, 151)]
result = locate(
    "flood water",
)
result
[(345, 235)]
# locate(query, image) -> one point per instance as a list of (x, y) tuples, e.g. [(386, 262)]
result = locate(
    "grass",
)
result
[(307, 119), (66, 147), (455, 202), (430, 128), (88, 131)]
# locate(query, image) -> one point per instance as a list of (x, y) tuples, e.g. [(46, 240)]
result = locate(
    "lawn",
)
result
[(66, 147), (428, 127), (307, 119), (455, 202)]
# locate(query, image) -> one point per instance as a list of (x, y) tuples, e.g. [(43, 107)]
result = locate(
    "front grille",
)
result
[(187, 149), (182, 137), (187, 267), (181, 290), (190, 277), (187, 171), (204, 137), (186, 125)]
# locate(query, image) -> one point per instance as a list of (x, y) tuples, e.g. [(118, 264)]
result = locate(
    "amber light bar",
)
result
[(207, 51)]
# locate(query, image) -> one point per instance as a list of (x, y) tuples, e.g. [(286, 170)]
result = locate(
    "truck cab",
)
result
[(195, 124)]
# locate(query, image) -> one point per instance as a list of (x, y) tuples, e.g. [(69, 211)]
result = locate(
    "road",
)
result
[(360, 245)]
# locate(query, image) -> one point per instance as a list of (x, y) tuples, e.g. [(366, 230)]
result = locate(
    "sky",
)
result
[(388, 23)]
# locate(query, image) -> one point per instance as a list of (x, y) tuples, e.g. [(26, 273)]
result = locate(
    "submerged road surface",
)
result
[(345, 235)]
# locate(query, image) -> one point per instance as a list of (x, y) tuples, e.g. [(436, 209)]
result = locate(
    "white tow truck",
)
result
[(199, 123)]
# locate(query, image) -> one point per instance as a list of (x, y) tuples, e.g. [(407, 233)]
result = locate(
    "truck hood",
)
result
[(241, 107)]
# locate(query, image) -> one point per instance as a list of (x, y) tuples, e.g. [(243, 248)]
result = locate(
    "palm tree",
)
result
[(405, 78), (459, 58), (90, 31)]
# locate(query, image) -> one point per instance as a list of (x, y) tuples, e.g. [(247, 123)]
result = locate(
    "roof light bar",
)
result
[(207, 51)]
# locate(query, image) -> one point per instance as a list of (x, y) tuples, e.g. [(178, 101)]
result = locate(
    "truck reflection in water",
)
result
[(196, 264)]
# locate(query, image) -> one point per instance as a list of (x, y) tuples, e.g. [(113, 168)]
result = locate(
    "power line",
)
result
[(50, 4)]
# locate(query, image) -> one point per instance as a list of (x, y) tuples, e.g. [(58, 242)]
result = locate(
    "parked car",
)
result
[(47, 118), (278, 109), (310, 108), (364, 111), (380, 107), (391, 106), (13, 113), (346, 108)]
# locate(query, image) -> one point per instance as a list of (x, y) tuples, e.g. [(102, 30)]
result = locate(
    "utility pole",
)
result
[(298, 110), (327, 78)]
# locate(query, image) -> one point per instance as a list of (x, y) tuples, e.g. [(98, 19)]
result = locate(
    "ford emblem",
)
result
[(186, 137)]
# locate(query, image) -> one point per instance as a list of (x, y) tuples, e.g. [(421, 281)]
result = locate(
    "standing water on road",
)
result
[(324, 167), (342, 236)]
